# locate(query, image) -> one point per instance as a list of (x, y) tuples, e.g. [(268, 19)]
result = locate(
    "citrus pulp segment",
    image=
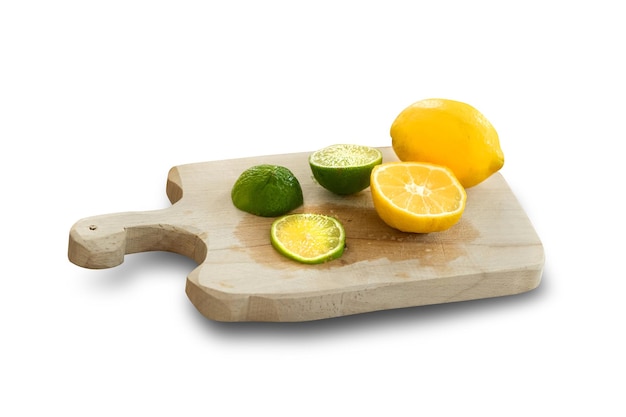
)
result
[(308, 238), (417, 197), (344, 168)]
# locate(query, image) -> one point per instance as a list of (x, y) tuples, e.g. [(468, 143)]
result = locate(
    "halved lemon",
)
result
[(308, 238), (417, 197)]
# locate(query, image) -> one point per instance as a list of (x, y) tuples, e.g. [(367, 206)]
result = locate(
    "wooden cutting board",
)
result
[(493, 251)]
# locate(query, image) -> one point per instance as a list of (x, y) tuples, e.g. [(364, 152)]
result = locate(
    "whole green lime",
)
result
[(267, 190), (344, 168)]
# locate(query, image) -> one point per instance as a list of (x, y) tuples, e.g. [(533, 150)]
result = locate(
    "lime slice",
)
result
[(308, 238), (344, 168), (267, 190)]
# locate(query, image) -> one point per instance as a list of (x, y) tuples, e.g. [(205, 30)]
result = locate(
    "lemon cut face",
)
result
[(344, 168), (308, 238), (267, 190), (448, 133), (417, 197)]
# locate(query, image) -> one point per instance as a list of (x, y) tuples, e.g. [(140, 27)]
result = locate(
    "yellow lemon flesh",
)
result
[(417, 197), (448, 133)]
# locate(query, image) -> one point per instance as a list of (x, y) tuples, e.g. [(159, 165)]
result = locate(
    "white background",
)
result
[(99, 99)]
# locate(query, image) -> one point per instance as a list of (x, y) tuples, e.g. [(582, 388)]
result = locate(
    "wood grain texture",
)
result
[(493, 251)]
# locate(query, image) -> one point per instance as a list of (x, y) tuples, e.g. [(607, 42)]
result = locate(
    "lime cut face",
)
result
[(308, 238), (344, 168), (267, 190)]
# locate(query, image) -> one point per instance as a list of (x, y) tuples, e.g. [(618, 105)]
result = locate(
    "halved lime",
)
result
[(308, 238), (267, 190), (344, 168)]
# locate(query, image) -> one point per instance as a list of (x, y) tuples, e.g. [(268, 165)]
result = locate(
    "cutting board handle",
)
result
[(102, 241)]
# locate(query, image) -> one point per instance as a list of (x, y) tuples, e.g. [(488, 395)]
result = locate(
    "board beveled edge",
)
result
[(300, 307)]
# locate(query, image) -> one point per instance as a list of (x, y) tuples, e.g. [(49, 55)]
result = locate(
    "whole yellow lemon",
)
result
[(448, 133)]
